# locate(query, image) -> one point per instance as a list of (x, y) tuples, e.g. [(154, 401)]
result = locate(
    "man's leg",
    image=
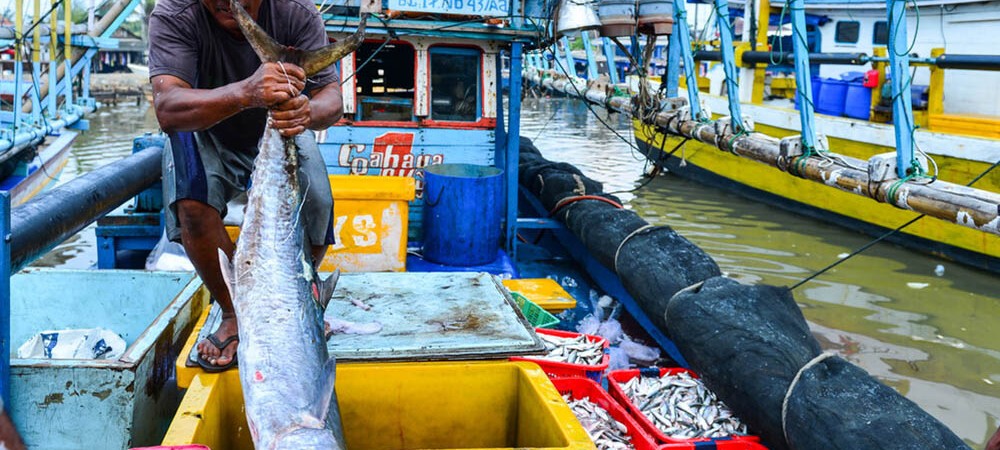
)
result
[(199, 177), (317, 212), (202, 234)]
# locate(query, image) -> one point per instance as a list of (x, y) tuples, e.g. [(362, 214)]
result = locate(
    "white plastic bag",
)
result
[(640, 353), (92, 343), (168, 256)]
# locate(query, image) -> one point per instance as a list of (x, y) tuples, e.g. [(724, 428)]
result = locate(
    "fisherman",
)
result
[(212, 94), (9, 439)]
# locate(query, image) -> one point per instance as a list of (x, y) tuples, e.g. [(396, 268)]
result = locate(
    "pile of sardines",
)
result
[(682, 407), (606, 432), (575, 350)]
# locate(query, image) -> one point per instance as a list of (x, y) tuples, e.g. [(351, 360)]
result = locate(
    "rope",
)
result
[(622, 243), (570, 200), (788, 393), (882, 237), (690, 288)]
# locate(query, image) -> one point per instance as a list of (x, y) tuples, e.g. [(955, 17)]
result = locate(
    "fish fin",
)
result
[(314, 61), (327, 406), (228, 277), (326, 288), (326, 383), (265, 46)]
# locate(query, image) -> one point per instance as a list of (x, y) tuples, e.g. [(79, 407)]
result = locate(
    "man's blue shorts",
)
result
[(197, 166)]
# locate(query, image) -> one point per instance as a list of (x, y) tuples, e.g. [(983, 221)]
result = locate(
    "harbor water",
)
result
[(918, 323)]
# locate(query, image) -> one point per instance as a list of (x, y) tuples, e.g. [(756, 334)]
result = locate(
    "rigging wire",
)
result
[(882, 237)]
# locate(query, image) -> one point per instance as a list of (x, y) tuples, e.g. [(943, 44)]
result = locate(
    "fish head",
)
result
[(303, 438)]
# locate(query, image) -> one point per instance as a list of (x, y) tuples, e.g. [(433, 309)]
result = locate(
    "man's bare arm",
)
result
[(179, 107)]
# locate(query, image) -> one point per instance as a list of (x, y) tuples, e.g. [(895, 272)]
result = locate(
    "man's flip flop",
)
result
[(214, 368)]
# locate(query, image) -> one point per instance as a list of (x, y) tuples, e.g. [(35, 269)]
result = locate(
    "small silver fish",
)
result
[(578, 350), (606, 432), (682, 407)]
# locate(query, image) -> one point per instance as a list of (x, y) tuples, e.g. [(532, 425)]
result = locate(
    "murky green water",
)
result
[(885, 310)]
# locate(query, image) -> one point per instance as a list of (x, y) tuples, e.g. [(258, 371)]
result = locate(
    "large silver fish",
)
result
[(286, 373)]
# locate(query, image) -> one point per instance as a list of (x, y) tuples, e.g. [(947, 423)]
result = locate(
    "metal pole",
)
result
[(513, 147), (18, 68), (729, 62), (53, 58), (36, 62), (902, 108), (591, 62), (803, 75), (570, 64), (56, 214), (68, 51), (85, 84), (609, 54), (5, 296), (674, 61), (684, 38)]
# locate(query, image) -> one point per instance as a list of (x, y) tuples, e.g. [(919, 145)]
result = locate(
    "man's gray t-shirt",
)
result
[(186, 42)]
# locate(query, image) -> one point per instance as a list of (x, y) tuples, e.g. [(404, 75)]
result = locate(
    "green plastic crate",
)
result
[(537, 317)]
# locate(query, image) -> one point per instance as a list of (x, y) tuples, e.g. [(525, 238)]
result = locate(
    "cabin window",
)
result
[(881, 34), (848, 32), (455, 84), (385, 83)]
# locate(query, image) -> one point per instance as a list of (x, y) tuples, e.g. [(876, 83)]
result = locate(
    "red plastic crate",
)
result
[(175, 447), (731, 444), (556, 369), (735, 442), (578, 388)]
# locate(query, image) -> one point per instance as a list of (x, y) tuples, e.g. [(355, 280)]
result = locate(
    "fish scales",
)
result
[(285, 371)]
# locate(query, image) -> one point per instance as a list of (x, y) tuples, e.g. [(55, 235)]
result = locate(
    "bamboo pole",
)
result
[(966, 206)]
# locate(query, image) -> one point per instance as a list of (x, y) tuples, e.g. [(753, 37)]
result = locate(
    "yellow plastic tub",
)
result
[(471, 405), (371, 221), (544, 292)]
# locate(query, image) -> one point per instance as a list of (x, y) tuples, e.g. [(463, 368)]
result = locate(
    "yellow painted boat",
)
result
[(959, 159)]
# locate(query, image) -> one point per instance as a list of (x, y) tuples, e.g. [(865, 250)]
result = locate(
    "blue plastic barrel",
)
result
[(817, 86), (859, 101), (462, 212), (832, 97)]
